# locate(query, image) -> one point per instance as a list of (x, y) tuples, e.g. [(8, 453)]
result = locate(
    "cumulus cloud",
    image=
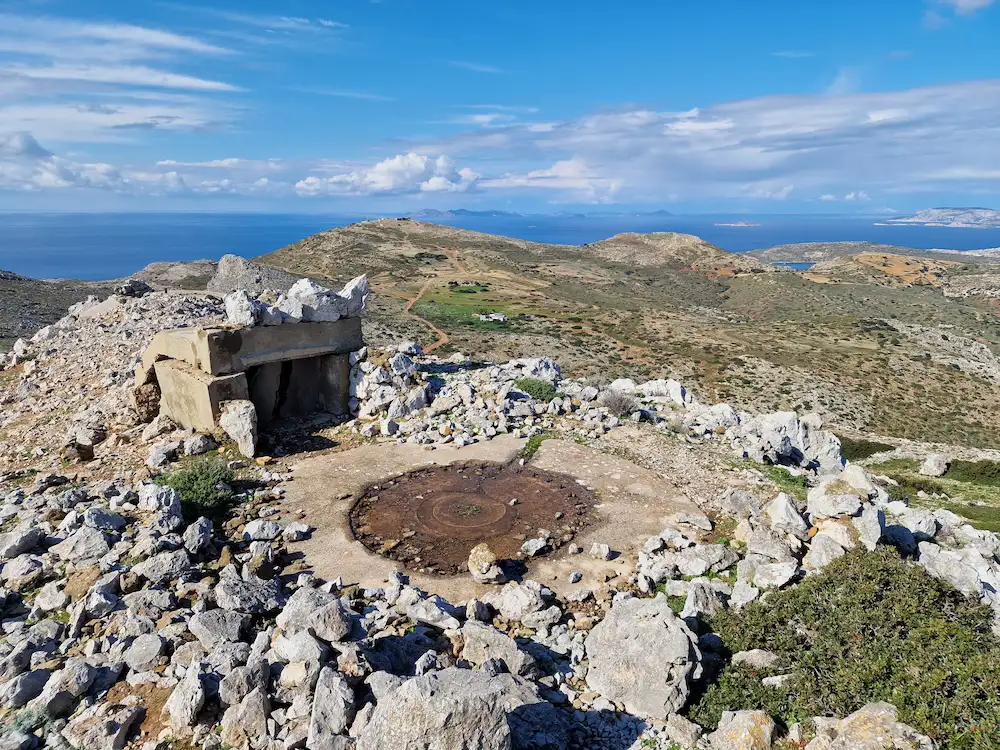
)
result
[(893, 141), (404, 173)]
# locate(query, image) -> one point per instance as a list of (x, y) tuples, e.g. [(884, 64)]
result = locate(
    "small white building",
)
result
[(494, 317)]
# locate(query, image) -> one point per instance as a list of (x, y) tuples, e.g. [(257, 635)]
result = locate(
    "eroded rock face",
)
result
[(457, 709), (644, 656)]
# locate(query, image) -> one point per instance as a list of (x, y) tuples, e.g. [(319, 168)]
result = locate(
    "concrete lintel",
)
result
[(221, 350)]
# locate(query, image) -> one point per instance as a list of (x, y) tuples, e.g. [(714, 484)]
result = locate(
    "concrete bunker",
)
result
[(296, 363)]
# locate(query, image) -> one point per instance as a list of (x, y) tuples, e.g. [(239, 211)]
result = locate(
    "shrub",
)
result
[(538, 389), (618, 403), (856, 450), (870, 627), (976, 472), (534, 443), (204, 486)]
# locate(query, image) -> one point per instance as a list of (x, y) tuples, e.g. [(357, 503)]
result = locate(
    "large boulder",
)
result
[(461, 709), (643, 655), (784, 438), (935, 465)]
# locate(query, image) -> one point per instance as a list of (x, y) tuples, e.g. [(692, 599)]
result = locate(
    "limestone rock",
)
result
[(217, 626), (105, 726), (19, 541), (483, 565), (144, 652), (455, 709), (743, 730), (484, 642), (332, 710), (245, 725), (872, 727), (642, 655), (935, 465), (239, 421)]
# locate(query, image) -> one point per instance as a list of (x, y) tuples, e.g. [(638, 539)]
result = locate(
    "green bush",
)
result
[(976, 472), (870, 627), (534, 443), (538, 389), (856, 450), (204, 486)]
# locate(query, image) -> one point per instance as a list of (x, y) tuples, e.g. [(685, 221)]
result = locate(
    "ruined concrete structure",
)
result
[(285, 370)]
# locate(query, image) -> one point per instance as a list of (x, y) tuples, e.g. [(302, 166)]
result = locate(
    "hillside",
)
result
[(976, 218), (672, 250), (28, 304), (817, 252), (865, 352)]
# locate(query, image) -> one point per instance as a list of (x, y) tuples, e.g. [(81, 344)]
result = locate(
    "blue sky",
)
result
[(393, 105)]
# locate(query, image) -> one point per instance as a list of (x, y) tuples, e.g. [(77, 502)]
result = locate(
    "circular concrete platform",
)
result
[(429, 519)]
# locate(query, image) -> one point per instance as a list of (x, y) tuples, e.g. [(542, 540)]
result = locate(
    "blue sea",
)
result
[(106, 246)]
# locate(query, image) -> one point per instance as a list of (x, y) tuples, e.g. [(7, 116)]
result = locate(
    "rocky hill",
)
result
[(28, 304), (817, 252), (160, 590), (975, 218), (668, 305), (672, 250)]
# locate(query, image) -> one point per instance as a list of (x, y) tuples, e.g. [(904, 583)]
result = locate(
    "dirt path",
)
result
[(443, 338)]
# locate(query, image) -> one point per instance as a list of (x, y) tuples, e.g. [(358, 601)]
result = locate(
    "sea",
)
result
[(113, 245)]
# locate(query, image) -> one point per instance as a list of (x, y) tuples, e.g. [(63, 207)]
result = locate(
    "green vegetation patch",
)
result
[(205, 488), (538, 389), (985, 473), (857, 449), (870, 627), (797, 487), (534, 443), (973, 489)]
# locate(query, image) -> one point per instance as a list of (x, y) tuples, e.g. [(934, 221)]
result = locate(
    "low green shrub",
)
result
[(857, 449), (534, 443), (870, 627), (538, 389), (204, 486), (975, 472)]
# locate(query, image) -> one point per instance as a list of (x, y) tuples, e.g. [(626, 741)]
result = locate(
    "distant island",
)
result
[(965, 218), (738, 224), (463, 213)]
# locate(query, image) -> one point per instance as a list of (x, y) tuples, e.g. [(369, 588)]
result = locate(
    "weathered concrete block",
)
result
[(192, 398)]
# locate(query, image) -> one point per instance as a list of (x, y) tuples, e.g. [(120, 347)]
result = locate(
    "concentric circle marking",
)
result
[(429, 519)]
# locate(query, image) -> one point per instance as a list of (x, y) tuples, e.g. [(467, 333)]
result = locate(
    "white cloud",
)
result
[(127, 75), (571, 175), (859, 195), (887, 141), (344, 94), (73, 80), (828, 197), (404, 173)]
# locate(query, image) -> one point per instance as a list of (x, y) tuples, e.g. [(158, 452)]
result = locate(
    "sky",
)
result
[(692, 106)]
